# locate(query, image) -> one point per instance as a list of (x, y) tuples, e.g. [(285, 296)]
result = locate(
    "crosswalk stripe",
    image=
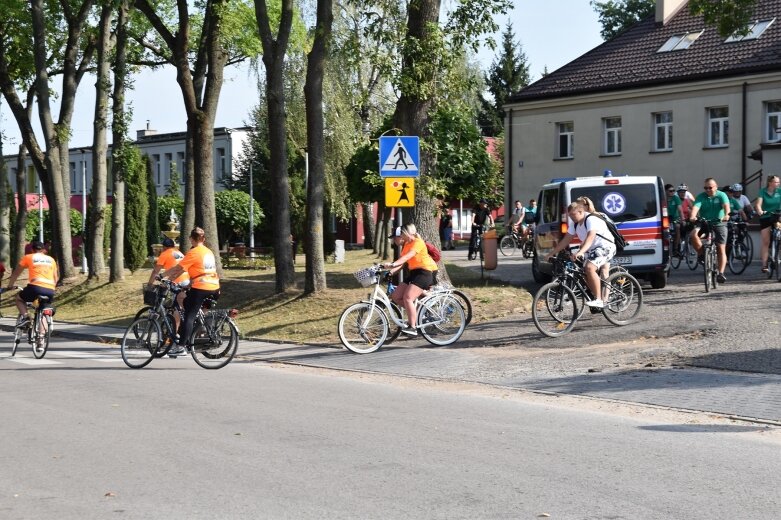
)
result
[(104, 358), (33, 361)]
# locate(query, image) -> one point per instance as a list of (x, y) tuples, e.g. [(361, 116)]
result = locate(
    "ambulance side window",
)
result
[(549, 206)]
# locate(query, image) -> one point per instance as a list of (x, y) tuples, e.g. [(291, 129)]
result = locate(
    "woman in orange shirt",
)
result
[(169, 257), (421, 271), (201, 266)]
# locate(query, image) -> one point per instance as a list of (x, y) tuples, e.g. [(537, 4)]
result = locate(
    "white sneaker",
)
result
[(596, 304)]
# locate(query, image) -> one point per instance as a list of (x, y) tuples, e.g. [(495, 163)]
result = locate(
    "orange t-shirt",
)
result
[(42, 269), (200, 265), (421, 260), (169, 258)]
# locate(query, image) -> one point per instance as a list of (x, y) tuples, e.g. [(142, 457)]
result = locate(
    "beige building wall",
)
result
[(531, 134)]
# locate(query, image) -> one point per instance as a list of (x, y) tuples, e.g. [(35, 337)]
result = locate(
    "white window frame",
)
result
[(680, 42), (156, 168), (169, 159), (612, 135), (755, 30), (73, 176), (772, 121), (565, 138), (221, 162), (667, 128), (720, 138)]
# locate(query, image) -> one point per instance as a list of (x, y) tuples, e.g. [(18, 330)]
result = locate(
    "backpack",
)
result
[(433, 252), (529, 217), (618, 239)]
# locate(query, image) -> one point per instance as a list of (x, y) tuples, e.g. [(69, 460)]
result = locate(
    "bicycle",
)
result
[(514, 241), (774, 249), (709, 253), (212, 344), (364, 327), (478, 246), (39, 330), (557, 302), (740, 247)]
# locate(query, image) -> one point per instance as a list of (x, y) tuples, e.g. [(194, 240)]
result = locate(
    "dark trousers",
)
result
[(476, 230), (192, 303)]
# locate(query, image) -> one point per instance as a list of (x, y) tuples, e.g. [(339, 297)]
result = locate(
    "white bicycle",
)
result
[(365, 326)]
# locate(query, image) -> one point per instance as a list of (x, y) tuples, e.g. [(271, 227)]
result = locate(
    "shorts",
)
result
[(766, 222), (720, 232), (32, 292), (421, 278), (601, 255)]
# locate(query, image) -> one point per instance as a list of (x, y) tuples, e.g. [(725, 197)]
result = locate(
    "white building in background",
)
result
[(166, 152)]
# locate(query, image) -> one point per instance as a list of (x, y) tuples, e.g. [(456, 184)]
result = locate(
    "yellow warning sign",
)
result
[(399, 192)]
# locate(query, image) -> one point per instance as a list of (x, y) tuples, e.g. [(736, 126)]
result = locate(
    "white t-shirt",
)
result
[(744, 201), (591, 224)]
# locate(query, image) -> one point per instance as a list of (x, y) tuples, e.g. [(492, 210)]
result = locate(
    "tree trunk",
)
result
[(368, 225), (5, 212), (20, 224), (315, 280), (119, 139), (97, 223), (387, 226), (378, 229), (188, 216)]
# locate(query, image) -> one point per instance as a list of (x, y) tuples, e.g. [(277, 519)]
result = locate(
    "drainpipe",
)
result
[(509, 144), (743, 137)]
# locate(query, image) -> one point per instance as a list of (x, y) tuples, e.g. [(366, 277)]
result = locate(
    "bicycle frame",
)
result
[(378, 294)]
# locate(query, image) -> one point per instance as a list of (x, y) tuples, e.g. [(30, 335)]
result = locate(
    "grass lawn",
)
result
[(262, 314)]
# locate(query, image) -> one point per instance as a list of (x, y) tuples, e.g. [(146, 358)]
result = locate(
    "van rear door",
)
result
[(548, 231)]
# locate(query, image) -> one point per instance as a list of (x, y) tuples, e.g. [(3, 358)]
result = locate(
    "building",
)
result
[(668, 97)]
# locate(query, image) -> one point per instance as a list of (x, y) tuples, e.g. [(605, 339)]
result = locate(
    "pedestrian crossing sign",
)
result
[(399, 192), (399, 156)]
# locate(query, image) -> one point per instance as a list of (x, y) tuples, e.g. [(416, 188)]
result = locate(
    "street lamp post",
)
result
[(251, 213), (84, 268), (40, 211)]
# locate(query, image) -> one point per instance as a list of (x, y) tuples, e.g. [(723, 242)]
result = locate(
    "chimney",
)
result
[(145, 132), (666, 9)]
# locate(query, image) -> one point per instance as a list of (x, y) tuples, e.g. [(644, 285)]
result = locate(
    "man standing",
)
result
[(596, 247), (712, 205), (480, 221)]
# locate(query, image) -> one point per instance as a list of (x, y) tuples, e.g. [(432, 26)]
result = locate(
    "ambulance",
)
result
[(638, 206)]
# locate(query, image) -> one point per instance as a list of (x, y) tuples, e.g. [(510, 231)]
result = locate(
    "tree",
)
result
[(233, 214), (508, 74), (136, 207), (152, 223), (616, 16)]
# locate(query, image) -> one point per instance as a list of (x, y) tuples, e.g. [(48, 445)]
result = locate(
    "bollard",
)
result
[(339, 252), (490, 244)]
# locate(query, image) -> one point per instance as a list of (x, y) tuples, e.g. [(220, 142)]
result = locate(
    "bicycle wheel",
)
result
[(624, 299), (507, 245), (676, 256), (18, 332), (363, 328), (41, 335), (400, 315), (738, 259), (554, 309), (143, 311), (708, 269), (140, 342), (465, 302), (441, 319), (748, 244), (527, 248), (777, 261), (168, 331), (690, 255), (215, 341)]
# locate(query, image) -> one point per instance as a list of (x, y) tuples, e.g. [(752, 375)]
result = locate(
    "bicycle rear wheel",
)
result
[(527, 248), (215, 341), (507, 245), (624, 300), (41, 335), (708, 269), (363, 329), (554, 309), (739, 257), (465, 302), (168, 331), (140, 342), (441, 319), (690, 255), (676, 256)]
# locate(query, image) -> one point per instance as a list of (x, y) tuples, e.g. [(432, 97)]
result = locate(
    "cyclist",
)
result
[(745, 203), (674, 213), (596, 248), (200, 265), (421, 272), (169, 257), (736, 205), (517, 217), (712, 205), (42, 276), (768, 201), (481, 221)]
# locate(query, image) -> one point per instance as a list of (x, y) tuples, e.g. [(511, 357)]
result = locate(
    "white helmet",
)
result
[(682, 187), (737, 187)]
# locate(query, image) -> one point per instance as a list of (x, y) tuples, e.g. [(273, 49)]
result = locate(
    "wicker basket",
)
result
[(150, 293), (366, 277)]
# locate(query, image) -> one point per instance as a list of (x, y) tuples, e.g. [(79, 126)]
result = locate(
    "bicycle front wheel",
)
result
[(215, 341), (18, 332), (140, 342), (554, 309), (41, 335), (441, 319), (708, 268), (363, 328), (690, 255), (739, 257), (624, 299), (507, 245), (676, 257)]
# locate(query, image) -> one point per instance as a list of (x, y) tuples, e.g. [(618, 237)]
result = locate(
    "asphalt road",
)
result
[(85, 437)]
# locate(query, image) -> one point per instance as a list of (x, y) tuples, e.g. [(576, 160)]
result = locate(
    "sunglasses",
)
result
[(708, 188), (670, 191)]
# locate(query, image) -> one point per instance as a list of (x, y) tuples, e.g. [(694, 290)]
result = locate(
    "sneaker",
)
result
[(410, 331), (721, 278), (596, 304), (178, 350), (22, 322)]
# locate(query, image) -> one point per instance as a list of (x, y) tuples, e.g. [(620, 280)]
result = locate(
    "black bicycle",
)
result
[(514, 241), (477, 247), (710, 254), (39, 330), (774, 251), (212, 344), (740, 247)]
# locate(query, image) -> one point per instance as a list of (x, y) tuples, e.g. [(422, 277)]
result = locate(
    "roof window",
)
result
[(680, 42), (755, 30)]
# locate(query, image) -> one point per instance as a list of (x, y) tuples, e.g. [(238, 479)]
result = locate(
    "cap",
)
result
[(396, 233), (168, 242), (737, 187), (483, 201), (36, 245), (682, 187)]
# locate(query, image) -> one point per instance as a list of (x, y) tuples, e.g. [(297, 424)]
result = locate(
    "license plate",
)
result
[(622, 260)]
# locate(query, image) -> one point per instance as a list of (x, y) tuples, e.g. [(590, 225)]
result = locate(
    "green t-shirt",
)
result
[(673, 203), (770, 202), (734, 205), (711, 208)]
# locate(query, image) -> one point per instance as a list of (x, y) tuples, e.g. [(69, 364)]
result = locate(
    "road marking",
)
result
[(104, 358), (33, 361)]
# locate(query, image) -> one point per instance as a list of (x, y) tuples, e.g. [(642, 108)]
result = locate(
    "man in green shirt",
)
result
[(713, 206), (673, 213)]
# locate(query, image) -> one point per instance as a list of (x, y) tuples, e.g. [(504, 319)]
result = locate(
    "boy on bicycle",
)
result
[(43, 277)]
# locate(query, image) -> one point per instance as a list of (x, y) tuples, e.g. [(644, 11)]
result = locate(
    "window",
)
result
[(32, 179), (663, 132), (680, 42), (169, 159), (612, 132), (181, 166), (73, 177), (773, 118), (549, 209), (718, 127), (221, 162), (566, 140), (639, 200), (754, 31), (156, 168)]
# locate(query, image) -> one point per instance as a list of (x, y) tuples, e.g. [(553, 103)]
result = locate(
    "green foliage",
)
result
[(174, 186), (728, 16), (164, 206), (233, 214), (616, 16), (136, 207), (33, 219)]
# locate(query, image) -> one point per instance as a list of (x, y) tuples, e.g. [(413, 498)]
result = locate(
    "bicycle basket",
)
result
[(150, 294), (366, 277)]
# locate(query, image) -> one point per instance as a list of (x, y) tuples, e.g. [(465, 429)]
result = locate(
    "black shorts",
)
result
[(421, 278), (766, 222), (31, 292)]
